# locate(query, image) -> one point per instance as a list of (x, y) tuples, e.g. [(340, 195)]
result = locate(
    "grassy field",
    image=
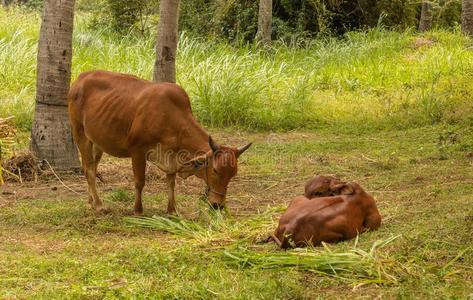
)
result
[(53, 247), (389, 110)]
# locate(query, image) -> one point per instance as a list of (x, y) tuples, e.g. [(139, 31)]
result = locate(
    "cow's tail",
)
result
[(75, 93)]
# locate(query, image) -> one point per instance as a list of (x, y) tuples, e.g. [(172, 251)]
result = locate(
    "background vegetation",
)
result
[(293, 20), (365, 80)]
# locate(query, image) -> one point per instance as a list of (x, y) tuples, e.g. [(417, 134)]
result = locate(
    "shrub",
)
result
[(124, 16)]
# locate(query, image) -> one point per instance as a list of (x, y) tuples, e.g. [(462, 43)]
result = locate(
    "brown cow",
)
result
[(126, 116), (329, 219), (322, 186)]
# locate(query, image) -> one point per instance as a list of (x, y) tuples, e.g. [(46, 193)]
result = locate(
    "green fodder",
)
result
[(175, 225), (370, 80), (355, 265), (212, 226)]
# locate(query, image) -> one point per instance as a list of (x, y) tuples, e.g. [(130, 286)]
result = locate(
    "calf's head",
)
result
[(217, 168), (322, 186)]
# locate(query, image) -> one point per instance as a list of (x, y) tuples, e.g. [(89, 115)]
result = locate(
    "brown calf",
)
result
[(321, 186), (329, 219)]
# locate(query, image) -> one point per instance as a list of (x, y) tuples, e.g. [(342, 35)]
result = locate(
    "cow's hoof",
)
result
[(172, 212), (138, 213), (102, 210)]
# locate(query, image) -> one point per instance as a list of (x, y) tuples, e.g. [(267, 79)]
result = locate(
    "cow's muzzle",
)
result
[(218, 206)]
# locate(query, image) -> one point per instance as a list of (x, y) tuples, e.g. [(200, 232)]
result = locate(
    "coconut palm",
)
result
[(467, 17), (426, 16), (166, 42), (264, 21), (51, 137)]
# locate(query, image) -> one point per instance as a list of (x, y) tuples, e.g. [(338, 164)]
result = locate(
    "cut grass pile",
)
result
[(356, 265), (175, 225), (364, 81)]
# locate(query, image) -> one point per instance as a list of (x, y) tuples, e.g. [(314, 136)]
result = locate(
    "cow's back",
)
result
[(119, 112)]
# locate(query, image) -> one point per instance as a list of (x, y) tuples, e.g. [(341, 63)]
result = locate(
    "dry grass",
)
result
[(7, 141)]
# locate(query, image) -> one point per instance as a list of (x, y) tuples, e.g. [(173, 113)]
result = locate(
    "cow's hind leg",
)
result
[(97, 156), (91, 174), (89, 166), (139, 170)]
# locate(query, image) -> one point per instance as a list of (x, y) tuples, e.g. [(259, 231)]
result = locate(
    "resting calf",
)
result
[(321, 186), (329, 219)]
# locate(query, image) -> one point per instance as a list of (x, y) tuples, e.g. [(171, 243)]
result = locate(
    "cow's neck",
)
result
[(194, 139)]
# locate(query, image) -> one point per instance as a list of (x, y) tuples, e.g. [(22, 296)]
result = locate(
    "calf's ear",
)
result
[(343, 189)]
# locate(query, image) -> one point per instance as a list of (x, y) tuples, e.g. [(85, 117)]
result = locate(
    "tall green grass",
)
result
[(365, 81)]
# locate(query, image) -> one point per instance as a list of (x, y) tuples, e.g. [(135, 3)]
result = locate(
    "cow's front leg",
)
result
[(139, 169), (171, 181)]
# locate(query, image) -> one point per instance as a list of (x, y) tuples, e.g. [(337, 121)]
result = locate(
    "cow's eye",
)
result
[(215, 171)]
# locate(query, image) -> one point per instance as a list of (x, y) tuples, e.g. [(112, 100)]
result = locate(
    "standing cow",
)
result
[(125, 116)]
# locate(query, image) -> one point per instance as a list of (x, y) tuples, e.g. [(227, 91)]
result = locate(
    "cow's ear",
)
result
[(190, 167), (343, 189)]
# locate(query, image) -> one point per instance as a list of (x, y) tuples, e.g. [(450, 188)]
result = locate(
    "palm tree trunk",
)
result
[(467, 17), (51, 137), (166, 42), (6, 2), (265, 15), (426, 16)]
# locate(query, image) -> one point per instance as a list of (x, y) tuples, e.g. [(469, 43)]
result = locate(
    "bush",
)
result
[(123, 16), (301, 19)]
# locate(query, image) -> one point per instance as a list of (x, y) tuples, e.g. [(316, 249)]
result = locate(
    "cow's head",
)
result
[(217, 167), (322, 186)]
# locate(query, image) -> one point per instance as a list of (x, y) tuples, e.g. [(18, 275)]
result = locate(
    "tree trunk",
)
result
[(426, 16), (467, 17), (265, 16), (166, 42), (51, 137), (6, 2)]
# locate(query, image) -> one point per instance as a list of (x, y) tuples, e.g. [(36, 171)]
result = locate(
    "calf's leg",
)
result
[(373, 219)]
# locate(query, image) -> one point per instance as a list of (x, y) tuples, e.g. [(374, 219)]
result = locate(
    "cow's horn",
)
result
[(212, 144), (243, 149)]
